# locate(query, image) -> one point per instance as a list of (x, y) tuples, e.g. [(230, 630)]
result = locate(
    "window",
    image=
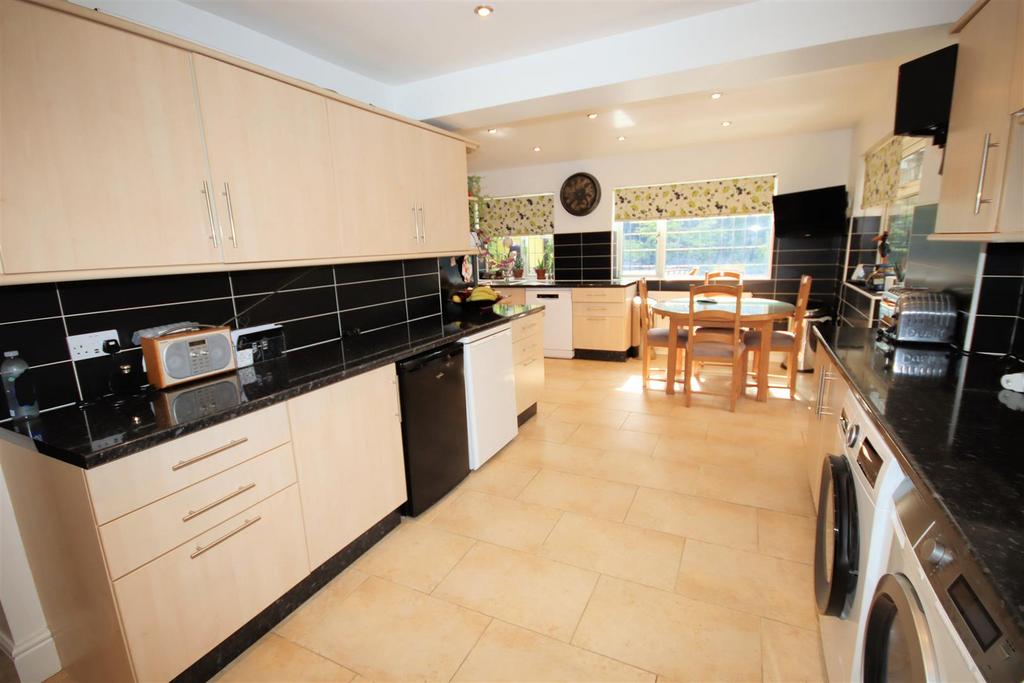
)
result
[(899, 213), (532, 249), (683, 248)]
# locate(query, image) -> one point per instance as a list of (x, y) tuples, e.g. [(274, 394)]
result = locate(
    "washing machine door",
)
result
[(897, 645), (837, 546)]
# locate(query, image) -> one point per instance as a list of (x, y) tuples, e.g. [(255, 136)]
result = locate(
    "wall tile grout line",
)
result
[(64, 322)]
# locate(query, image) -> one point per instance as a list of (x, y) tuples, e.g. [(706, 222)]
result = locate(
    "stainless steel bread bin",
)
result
[(921, 316)]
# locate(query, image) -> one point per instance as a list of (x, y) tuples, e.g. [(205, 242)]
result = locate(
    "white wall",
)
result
[(802, 162)]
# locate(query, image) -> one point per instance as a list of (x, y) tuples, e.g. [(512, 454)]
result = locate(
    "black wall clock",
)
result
[(580, 194)]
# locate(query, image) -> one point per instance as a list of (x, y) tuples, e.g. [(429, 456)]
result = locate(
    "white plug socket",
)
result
[(89, 345)]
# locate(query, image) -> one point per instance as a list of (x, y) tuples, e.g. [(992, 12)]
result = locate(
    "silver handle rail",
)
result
[(978, 201), (200, 549), (207, 454), (192, 514), (209, 212), (231, 215)]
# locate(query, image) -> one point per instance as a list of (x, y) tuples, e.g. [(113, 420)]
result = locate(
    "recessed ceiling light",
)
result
[(622, 138), (726, 124), (483, 10), (492, 131), (716, 95), (536, 149), (592, 116)]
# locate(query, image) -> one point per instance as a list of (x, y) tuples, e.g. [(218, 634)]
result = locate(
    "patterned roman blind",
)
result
[(727, 197), (882, 173), (524, 215)]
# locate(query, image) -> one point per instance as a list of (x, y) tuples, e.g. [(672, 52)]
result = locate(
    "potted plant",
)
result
[(517, 266), (545, 266)]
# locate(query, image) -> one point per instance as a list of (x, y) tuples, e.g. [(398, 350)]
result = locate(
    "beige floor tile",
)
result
[(762, 585), (790, 537), (791, 654), (509, 653), (630, 468), (387, 632), (416, 555), (702, 450), (576, 493), (591, 415), (755, 487), (676, 637), (612, 439), (510, 523), (538, 594), (548, 455), (694, 517), (500, 477), (273, 659), (549, 429), (299, 623), (641, 555), (664, 426)]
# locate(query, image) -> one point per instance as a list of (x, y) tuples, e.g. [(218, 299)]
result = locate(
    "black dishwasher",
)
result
[(434, 432)]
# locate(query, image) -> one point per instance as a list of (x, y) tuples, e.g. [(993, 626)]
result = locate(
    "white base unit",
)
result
[(558, 320), (490, 393)]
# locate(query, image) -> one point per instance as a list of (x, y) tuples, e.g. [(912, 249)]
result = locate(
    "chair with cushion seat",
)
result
[(716, 336), (785, 340), (653, 337)]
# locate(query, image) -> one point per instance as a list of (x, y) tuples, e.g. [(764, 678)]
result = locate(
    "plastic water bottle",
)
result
[(18, 387)]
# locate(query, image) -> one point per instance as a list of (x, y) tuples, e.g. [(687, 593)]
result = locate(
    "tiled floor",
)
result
[(620, 537)]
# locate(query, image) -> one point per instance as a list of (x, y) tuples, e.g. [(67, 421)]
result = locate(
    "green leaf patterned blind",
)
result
[(882, 173), (726, 197), (524, 215)]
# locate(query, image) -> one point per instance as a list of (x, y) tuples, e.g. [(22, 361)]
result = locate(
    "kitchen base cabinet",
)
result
[(528, 360), (602, 319), (347, 440)]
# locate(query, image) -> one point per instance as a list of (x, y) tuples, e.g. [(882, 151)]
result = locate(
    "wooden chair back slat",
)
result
[(723, 277), (802, 299), (718, 325)]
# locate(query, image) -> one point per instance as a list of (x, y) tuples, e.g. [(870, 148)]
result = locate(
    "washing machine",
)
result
[(933, 616), (853, 536)]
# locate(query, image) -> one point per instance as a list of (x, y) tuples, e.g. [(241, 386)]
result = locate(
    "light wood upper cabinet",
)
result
[(373, 181), (444, 221), (979, 126), (270, 157), (102, 155), (347, 440)]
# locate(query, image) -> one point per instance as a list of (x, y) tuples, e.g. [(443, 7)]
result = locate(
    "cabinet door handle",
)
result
[(231, 215), (192, 514), (415, 226), (398, 400), (214, 235), (200, 549), (978, 201), (423, 225), (207, 454)]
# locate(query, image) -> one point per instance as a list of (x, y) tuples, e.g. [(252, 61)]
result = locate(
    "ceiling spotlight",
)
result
[(536, 149), (726, 124), (483, 10), (622, 138), (592, 116), (492, 131), (716, 95)]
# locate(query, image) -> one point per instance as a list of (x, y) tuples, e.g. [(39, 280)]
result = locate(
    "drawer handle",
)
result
[(207, 454), (192, 514), (200, 549)]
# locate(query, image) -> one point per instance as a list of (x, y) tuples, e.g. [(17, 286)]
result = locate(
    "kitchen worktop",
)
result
[(107, 430), (958, 436), (571, 284)]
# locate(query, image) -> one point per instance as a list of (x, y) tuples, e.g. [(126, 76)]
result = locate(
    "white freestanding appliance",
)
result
[(557, 319), (490, 393)]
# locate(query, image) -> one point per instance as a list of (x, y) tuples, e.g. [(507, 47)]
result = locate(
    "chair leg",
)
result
[(737, 381), (646, 366), (687, 372), (679, 359), (792, 374)]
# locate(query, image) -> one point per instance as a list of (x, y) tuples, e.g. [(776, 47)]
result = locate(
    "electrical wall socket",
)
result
[(89, 345)]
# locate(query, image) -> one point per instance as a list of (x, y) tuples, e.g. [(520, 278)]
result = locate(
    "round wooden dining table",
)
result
[(755, 313)]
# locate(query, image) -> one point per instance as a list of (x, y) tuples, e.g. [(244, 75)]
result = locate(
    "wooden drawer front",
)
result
[(616, 310), (600, 294), (600, 333), (513, 295), (180, 606), (138, 537), (127, 484), (529, 383), (528, 348), (525, 327)]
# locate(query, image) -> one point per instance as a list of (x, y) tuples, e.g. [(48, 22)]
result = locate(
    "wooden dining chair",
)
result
[(723, 277), (716, 336), (785, 340), (651, 337)]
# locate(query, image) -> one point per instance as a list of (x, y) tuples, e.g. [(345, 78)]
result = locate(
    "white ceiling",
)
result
[(398, 41), (818, 101)]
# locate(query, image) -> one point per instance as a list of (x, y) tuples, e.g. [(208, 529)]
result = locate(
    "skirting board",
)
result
[(527, 414), (596, 354), (35, 659)]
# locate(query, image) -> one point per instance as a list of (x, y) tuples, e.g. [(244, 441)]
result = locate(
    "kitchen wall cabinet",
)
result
[(823, 435), (103, 162), (443, 202), (979, 127), (270, 157), (347, 440)]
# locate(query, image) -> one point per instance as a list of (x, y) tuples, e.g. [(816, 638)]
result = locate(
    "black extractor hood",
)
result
[(925, 94)]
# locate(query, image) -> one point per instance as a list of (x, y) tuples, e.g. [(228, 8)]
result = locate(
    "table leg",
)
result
[(673, 344), (764, 361)]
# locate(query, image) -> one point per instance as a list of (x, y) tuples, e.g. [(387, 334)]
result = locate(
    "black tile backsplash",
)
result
[(999, 325), (373, 303), (583, 255)]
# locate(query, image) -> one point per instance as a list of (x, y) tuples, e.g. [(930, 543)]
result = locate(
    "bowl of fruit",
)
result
[(483, 296)]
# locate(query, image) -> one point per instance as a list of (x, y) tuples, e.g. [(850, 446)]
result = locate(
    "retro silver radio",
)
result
[(179, 356)]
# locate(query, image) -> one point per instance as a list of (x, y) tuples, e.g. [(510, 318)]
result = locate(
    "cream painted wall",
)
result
[(802, 162)]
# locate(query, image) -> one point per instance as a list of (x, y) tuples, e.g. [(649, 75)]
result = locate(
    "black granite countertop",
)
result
[(619, 282), (107, 430), (959, 436)]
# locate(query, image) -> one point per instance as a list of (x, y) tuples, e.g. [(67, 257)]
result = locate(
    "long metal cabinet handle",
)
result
[(200, 549), (192, 514), (423, 226), (231, 215), (209, 212), (978, 201), (398, 400), (207, 454), (415, 226)]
